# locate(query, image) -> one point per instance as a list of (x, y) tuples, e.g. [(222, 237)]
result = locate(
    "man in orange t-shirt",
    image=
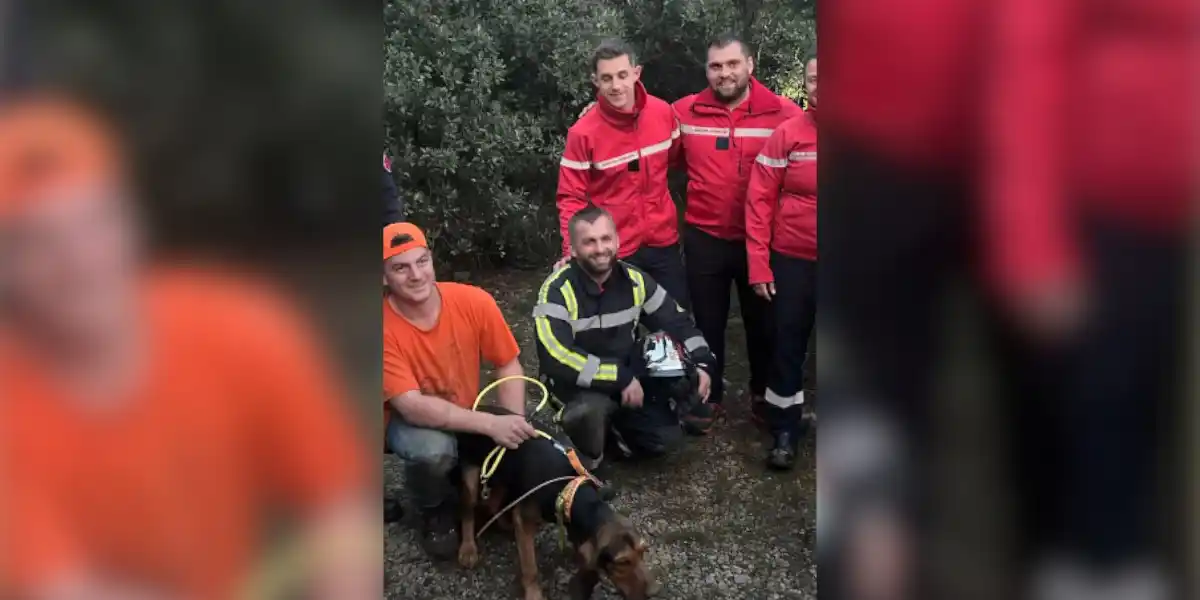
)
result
[(150, 419), (434, 334)]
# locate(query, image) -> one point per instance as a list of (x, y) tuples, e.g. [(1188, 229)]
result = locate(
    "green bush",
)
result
[(479, 95)]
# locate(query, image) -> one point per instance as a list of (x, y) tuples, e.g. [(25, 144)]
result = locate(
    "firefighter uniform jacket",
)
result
[(585, 332)]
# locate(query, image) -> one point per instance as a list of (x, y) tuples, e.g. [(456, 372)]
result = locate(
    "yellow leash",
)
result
[(492, 462)]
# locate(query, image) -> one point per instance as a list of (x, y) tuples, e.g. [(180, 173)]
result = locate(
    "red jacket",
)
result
[(719, 148), (1104, 125), (902, 77), (619, 161), (781, 203)]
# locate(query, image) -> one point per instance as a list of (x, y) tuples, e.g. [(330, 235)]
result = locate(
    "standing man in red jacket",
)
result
[(616, 158), (723, 130)]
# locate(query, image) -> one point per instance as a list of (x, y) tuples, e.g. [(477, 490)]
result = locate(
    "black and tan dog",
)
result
[(605, 543)]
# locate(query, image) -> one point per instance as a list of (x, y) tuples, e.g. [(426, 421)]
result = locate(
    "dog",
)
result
[(605, 543)]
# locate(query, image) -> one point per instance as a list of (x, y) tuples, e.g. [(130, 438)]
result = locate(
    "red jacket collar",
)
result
[(616, 117), (761, 100)]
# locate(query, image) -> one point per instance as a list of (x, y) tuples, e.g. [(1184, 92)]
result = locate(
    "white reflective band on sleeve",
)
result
[(778, 163), (708, 131), (589, 371), (656, 301), (784, 401), (695, 343), (574, 164), (675, 134), (753, 132), (554, 311), (799, 156)]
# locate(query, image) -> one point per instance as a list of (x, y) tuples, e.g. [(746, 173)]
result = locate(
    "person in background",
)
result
[(587, 314), (393, 204), (434, 335), (162, 411), (616, 157), (723, 130), (781, 248)]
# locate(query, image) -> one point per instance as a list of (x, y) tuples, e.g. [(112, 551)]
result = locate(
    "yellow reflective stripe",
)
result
[(639, 287), (606, 373), (545, 334), (568, 293)]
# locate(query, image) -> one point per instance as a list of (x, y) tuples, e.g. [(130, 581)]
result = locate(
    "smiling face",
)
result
[(615, 78), (594, 245), (409, 276), (729, 71)]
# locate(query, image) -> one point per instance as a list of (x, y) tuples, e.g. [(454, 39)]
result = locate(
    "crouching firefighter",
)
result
[(586, 315)]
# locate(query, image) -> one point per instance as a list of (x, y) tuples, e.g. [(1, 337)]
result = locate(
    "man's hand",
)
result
[(510, 430), (766, 291), (633, 395), (562, 262), (586, 109), (704, 386)]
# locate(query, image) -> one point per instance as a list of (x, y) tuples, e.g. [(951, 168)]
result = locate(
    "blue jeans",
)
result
[(429, 456)]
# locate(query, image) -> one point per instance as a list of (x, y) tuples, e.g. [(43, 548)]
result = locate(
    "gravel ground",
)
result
[(719, 525)]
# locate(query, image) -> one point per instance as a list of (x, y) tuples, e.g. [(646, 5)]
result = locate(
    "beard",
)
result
[(593, 265), (740, 88)]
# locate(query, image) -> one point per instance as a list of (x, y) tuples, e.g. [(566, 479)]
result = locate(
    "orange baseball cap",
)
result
[(48, 143), (402, 237)]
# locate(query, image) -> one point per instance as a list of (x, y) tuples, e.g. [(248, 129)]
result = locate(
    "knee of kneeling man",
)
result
[(435, 462)]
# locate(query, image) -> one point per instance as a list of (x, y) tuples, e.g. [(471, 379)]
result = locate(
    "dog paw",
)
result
[(468, 556)]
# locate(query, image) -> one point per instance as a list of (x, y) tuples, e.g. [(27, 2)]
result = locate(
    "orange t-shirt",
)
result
[(444, 361), (239, 412)]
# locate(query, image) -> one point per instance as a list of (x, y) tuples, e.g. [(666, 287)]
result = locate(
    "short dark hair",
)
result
[(725, 39), (810, 55), (589, 214), (612, 48)]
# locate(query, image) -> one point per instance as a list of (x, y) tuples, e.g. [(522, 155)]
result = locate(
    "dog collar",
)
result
[(566, 500)]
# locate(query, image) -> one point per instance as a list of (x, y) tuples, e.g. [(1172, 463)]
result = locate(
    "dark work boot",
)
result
[(783, 455), (439, 532)]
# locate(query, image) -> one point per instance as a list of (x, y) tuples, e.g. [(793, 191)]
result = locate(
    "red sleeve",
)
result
[(1028, 238), (496, 340), (573, 177), (762, 196)]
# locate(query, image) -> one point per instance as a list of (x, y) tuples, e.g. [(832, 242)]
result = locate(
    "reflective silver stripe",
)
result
[(574, 164), (607, 320), (778, 163), (656, 301), (554, 311), (656, 148), (799, 156), (675, 134), (589, 371), (629, 157), (695, 343), (708, 131), (784, 401), (754, 132)]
